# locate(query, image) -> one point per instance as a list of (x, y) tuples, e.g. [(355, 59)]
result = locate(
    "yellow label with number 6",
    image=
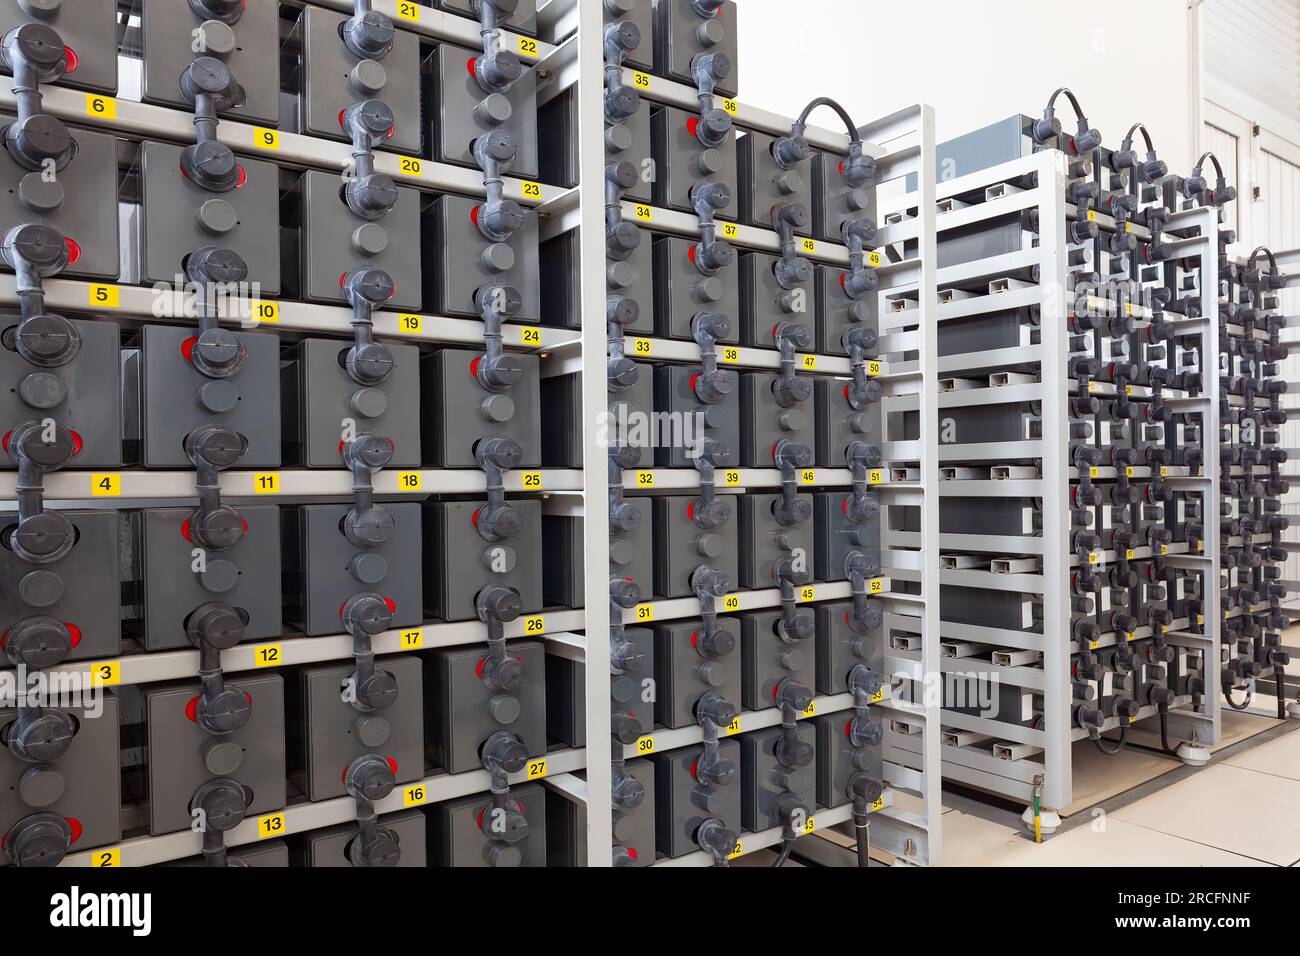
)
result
[(101, 107)]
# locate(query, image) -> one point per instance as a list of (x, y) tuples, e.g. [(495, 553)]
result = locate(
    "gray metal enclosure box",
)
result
[(459, 269), (325, 729), (327, 92), (459, 709), (681, 677), (320, 398), (838, 759), (764, 184), (763, 780), (92, 382), (833, 315), (834, 202), (93, 778), (677, 156), (166, 37), (160, 386), (681, 290), (271, 854), (177, 744), (634, 279), (676, 817), (765, 304), (835, 536), (642, 17), (764, 422), (764, 540), (455, 122), (90, 578), (523, 19), (318, 575), (329, 847), (839, 424), (677, 41), (631, 556), (328, 250), (89, 29), (454, 416), (840, 648), (566, 719), (459, 562), (681, 547), (88, 213), (566, 823), (767, 660), (455, 838), (170, 227), (630, 418), (171, 589), (675, 393)]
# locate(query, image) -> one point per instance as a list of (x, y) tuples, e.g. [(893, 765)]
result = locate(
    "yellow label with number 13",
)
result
[(270, 825)]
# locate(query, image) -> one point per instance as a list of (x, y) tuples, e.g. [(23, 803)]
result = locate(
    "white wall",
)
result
[(974, 61)]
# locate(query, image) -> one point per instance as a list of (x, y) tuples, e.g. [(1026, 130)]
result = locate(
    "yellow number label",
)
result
[(106, 485), (408, 10), (730, 230), (642, 346), (414, 796), (877, 476), (729, 354), (879, 804), (1094, 471), (270, 825), (101, 107), (1164, 550), (641, 81), (530, 336), (876, 586), (645, 479), (810, 362), (105, 297), (268, 139), (266, 483), (531, 480), (268, 655), (1093, 645), (1092, 215), (734, 726), (731, 602), (731, 106), (528, 47), (1094, 557), (531, 190), (1092, 388), (1164, 471), (873, 368), (411, 640), (808, 593), (1128, 554), (645, 745), (535, 624), (811, 709), (537, 769), (106, 674), (110, 858), (410, 166), (809, 246), (731, 478), (810, 826), (409, 324), (265, 311), (878, 696), (808, 477), (873, 260), (645, 612), (643, 212), (409, 480)]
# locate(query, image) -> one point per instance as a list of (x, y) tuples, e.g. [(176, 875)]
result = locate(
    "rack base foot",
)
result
[(1193, 754), (1293, 710), (1048, 820)]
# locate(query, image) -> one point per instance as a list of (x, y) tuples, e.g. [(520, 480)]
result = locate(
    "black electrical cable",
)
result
[(1119, 744), (802, 121), (786, 846), (1227, 696), (863, 834)]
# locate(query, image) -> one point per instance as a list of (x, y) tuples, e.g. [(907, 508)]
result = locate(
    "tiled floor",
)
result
[(1242, 810)]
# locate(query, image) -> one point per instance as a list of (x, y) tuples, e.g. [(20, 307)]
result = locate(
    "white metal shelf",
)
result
[(304, 816), (109, 485)]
